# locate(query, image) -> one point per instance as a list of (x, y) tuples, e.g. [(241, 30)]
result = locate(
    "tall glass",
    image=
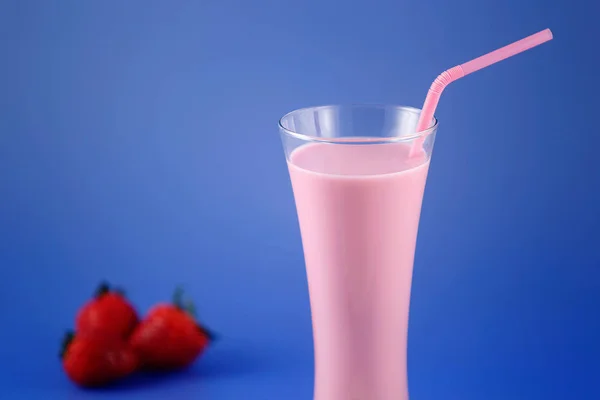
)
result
[(358, 196)]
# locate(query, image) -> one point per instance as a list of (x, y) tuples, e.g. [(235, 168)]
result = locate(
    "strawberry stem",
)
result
[(182, 304), (178, 298), (102, 289), (208, 333), (190, 308), (67, 339)]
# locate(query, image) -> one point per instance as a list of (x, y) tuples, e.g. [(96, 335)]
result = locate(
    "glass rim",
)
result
[(357, 139)]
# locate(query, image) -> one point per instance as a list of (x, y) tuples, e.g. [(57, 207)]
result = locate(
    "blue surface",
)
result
[(138, 143)]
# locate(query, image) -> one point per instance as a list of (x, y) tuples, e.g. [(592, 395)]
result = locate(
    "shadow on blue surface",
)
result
[(223, 363)]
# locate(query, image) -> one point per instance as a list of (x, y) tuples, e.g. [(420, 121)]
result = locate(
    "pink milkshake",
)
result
[(358, 200), (359, 207), (358, 173)]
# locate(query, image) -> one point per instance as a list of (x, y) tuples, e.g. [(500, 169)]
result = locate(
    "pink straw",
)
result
[(454, 73)]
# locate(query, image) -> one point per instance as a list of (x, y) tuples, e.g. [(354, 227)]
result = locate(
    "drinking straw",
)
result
[(454, 73)]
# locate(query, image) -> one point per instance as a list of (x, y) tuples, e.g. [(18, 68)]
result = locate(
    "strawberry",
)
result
[(93, 361), (169, 337), (109, 313)]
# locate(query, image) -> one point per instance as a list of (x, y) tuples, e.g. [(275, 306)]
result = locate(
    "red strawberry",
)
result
[(109, 313), (169, 337), (93, 361)]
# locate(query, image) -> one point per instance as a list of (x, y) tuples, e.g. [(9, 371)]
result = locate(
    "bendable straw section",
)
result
[(433, 96), (446, 77), (431, 102)]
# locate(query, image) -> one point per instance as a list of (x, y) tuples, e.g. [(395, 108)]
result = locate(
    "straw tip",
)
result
[(548, 33)]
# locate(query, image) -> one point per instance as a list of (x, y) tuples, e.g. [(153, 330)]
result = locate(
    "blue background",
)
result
[(139, 144)]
